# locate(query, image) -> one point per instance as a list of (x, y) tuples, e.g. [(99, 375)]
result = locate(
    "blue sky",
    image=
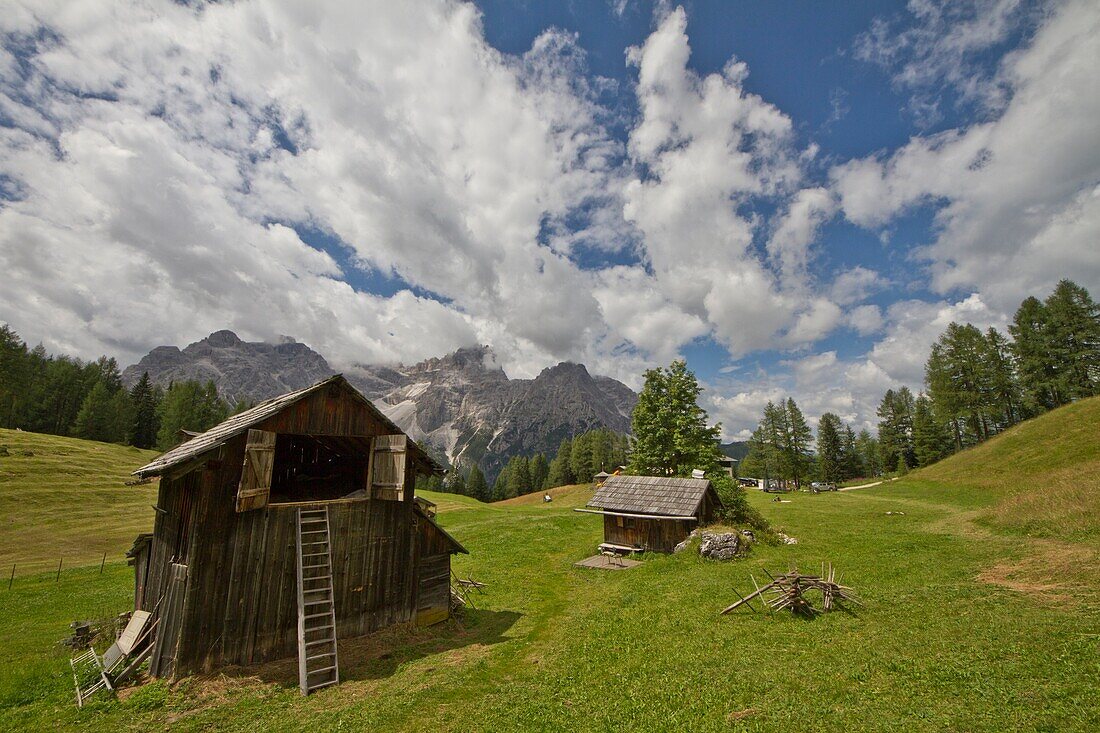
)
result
[(795, 197)]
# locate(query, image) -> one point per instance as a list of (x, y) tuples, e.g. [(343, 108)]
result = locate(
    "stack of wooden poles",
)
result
[(788, 592)]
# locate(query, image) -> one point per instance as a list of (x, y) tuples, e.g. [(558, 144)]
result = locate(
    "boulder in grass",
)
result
[(723, 545)]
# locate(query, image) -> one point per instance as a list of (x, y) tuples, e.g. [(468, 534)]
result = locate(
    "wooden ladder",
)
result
[(317, 663)]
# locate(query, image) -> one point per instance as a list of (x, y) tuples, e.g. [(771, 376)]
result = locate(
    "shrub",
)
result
[(735, 504)]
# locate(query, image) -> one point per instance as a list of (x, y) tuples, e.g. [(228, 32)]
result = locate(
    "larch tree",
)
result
[(830, 448)]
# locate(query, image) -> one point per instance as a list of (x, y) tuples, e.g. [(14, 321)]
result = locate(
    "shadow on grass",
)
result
[(379, 655)]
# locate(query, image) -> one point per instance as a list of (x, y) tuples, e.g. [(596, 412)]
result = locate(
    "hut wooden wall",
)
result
[(240, 605), (655, 535), (171, 528), (433, 602)]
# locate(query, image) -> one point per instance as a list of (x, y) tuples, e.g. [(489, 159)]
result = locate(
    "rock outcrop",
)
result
[(246, 370)]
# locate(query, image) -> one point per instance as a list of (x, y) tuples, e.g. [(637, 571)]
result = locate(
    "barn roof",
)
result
[(217, 436), (456, 546), (662, 495)]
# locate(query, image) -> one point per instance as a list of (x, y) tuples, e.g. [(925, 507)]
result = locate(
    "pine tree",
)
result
[(565, 464), (671, 436), (519, 477), (540, 469), (476, 485), (581, 458), (189, 406), (797, 443), (895, 428), (95, 421), (1074, 340), (500, 486), (851, 463), (1031, 345), (929, 437), (143, 428), (870, 453), (1005, 400), (15, 378), (830, 448)]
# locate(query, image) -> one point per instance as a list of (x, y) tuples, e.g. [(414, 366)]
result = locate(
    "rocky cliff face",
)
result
[(465, 407), (240, 369), (462, 406)]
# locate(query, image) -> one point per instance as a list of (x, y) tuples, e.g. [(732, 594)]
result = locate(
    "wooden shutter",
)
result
[(388, 467), (259, 460)]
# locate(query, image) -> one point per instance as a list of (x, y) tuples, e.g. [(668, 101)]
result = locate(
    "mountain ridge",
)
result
[(461, 406)]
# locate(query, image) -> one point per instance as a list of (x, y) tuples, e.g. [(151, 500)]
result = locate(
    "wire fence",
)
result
[(56, 570)]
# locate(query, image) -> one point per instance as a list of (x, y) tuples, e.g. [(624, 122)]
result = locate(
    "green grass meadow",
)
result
[(969, 624)]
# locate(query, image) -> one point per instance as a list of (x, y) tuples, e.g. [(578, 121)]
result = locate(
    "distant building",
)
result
[(652, 513), (729, 465)]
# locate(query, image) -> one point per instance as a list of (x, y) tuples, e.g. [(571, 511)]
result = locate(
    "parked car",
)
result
[(818, 486)]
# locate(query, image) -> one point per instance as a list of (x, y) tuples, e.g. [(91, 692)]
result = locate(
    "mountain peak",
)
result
[(223, 339), (565, 370)]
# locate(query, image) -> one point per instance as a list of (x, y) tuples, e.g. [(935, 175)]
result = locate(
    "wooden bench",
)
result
[(606, 547)]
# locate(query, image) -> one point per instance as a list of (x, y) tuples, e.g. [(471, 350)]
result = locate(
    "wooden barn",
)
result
[(287, 527), (652, 513)]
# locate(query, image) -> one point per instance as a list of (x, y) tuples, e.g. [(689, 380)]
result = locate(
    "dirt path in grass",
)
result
[(865, 486)]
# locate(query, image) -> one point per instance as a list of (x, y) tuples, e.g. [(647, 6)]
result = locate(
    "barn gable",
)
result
[(224, 567)]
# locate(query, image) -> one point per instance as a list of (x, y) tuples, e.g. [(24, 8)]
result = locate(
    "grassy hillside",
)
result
[(1041, 477), (949, 638), (66, 497), (573, 495)]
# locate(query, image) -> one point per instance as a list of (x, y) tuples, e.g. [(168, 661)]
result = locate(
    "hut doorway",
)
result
[(313, 468)]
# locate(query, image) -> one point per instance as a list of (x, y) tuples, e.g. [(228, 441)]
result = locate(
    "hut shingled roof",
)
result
[(661, 495), (237, 424)]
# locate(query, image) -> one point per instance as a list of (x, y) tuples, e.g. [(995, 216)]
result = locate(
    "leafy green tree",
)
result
[(830, 448), (671, 436)]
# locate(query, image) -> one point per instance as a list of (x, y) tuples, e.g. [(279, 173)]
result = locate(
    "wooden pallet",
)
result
[(318, 665)]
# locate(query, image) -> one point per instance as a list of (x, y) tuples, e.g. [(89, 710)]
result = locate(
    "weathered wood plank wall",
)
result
[(240, 606)]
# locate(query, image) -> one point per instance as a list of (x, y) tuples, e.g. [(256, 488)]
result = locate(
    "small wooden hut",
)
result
[(225, 572), (652, 513)]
